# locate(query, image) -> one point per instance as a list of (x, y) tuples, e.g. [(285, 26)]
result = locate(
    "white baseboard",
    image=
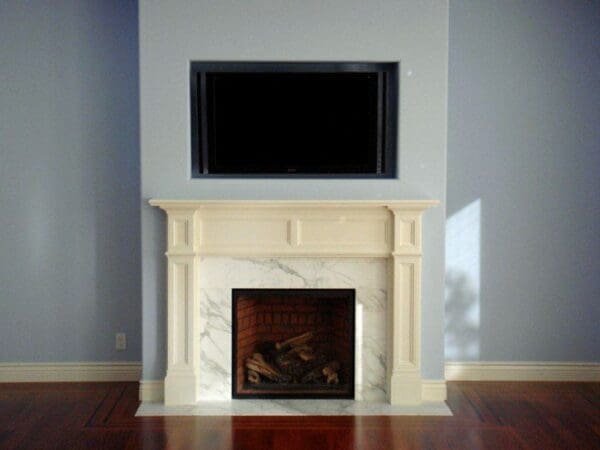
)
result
[(522, 371), (82, 371), (431, 391), (152, 391)]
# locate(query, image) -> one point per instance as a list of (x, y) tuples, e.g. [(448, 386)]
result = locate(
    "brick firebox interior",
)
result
[(263, 316)]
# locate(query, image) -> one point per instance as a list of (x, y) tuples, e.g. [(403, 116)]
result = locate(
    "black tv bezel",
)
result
[(387, 104)]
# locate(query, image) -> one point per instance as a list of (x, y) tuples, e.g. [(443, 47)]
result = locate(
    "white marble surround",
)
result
[(374, 247), (294, 408), (368, 276)]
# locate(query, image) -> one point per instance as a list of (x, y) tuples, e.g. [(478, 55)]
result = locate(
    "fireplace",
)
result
[(293, 343), (388, 322)]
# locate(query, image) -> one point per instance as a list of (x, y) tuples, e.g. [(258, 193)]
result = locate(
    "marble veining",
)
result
[(215, 344), (295, 272), (219, 275), (294, 408)]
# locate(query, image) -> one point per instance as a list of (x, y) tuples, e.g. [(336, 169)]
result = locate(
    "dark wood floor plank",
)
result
[(543, 415), (486, 416)]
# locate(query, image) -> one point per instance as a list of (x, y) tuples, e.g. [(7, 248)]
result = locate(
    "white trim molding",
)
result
[(67, 371), (433, 391), (522, 371), (388, 229), (152, 391)]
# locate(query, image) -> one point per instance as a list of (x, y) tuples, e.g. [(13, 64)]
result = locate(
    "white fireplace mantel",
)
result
[(374, 228)]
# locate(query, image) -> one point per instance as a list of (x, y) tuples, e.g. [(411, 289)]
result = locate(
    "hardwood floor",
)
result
[(486, 415)]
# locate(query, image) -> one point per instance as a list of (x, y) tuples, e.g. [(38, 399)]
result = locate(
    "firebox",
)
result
[(293, 343)]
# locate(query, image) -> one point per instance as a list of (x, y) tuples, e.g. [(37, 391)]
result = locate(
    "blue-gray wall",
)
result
[(173, 33), (69, 180), (523, 164), (523, 231)]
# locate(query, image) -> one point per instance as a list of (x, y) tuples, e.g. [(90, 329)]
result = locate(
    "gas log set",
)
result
[(293, 361)]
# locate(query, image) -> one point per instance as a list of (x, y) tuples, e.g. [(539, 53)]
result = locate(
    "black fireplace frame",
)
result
[(350, 297)]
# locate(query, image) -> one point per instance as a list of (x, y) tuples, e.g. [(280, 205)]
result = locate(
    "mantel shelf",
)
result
[(413, 205)]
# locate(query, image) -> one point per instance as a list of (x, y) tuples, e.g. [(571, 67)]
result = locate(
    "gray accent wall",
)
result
[(69, 181), (523, 237), (171, 35)]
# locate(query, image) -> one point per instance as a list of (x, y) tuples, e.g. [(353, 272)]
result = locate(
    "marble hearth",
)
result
[(373, 247)]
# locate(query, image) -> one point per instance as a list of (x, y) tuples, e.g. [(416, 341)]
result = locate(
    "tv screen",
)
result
[(294, 119)]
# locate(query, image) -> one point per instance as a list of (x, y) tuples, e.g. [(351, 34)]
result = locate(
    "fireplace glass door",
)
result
[(293, 343)]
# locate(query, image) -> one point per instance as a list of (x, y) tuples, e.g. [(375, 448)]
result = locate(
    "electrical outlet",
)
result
[(120, 341)]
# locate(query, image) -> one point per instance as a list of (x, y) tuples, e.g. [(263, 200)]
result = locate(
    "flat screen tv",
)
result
[(294, 119)]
